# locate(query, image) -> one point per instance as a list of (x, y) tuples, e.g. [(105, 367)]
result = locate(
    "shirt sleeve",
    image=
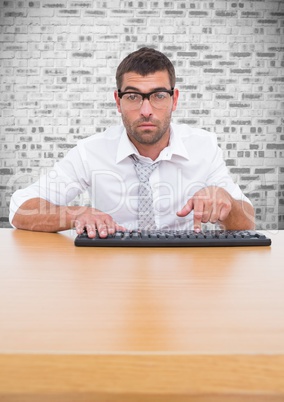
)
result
[(60, 185), (219, 175)]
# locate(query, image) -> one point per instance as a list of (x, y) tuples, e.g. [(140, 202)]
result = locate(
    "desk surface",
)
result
[(130, 324)]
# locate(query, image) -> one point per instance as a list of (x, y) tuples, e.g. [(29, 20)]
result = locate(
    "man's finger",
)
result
[(198, 215), (119, 228), (110, 225), (186, 209), (79, 227), (91, 230), (207, 211), (225, 210), (215, 214)]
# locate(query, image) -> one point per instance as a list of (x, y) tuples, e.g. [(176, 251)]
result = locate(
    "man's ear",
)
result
[(117, 101), (175, 96)]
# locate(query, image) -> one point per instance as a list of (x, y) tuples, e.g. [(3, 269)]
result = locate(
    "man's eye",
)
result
[(159, 95), (132, 97)]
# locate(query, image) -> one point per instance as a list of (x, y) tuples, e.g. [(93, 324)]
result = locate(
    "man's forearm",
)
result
[(241, 217), (40, 215)]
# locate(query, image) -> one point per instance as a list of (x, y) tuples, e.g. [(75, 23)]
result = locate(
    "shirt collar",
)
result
[(125, 148), (175, 147)]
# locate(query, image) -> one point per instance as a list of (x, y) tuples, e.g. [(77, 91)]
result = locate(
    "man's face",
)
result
[(146, 125)]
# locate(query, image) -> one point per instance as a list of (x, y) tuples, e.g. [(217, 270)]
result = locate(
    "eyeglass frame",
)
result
[(146, 95)]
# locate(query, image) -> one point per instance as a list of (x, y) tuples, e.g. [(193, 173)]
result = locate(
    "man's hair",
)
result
[(145, 61)]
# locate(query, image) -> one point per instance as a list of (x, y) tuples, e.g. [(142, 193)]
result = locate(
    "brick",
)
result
[(265, 55), (240, 71), (198, 13), (54, 4), (241, 54), (14, 14), (275, 146), (174, 13), (240, 170), (82, 55), (225, 13), (81, 4), (267, 21), (213, 70)]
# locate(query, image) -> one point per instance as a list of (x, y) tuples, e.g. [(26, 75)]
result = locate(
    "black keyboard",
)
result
[(209, 238)]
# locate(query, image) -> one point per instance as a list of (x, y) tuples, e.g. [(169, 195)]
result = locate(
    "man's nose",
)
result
[(146, 108)]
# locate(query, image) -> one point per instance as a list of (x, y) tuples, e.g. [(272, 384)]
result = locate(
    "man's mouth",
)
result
[(146, 125)]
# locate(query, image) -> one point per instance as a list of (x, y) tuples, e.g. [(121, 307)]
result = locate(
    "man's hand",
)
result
[(40, 215), (214, 204), (94, 220)]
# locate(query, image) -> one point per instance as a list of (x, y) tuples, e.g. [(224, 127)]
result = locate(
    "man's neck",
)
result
[(152, 150)]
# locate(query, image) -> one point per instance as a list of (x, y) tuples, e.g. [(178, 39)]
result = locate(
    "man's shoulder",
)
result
[(110, 134), (184, 130), (193, 135)]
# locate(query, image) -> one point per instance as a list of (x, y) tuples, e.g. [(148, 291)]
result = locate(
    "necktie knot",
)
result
[(144, 170)]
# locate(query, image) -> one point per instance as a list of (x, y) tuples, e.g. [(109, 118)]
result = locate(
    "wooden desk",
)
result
[(109, 324)]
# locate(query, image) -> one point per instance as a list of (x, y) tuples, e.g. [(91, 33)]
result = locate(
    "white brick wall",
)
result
[(57, 66)]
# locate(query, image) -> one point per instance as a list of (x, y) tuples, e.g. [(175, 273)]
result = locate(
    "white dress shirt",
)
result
[(101, 165)]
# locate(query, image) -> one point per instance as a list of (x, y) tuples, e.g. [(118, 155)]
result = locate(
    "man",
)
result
[(188, 184)]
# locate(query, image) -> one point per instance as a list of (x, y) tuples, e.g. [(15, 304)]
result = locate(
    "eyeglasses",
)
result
[(158, 99)]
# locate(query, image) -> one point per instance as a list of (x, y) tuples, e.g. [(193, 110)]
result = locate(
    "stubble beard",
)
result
[(144, 136)]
